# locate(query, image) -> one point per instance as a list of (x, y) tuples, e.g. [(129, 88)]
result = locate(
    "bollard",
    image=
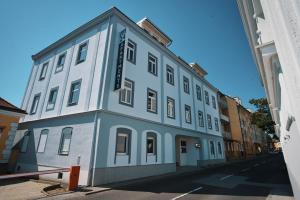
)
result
[(74, 177)]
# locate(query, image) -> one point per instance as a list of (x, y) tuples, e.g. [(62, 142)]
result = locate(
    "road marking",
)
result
[(256, 165), (244, 170), (194, 190), (225, 177)]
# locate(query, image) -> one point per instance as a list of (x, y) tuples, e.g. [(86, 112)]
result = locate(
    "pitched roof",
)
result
[(5, 105)]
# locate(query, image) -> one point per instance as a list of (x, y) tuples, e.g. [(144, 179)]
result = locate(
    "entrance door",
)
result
[(183, 152)]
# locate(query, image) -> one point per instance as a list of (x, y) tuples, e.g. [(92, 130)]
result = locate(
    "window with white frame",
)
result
[(170, 107), (82, 53), (52, 98), (206, 97), (131, 51), (198, 92), (25, 142), (35, 103), (186, 85), (60, 62), (152, 64), (151, 143), (183, 148), (42, 141), (212, 148), (213, 99), (170, 75), (65, 141), (209, 124), (126, 95), (200, 118), (44, 71), (122, 143), (74, 93), (188, 115), (151, 101), (219, 148), (217, 124)]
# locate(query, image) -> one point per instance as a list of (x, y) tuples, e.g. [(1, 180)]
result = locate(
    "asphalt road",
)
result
[(254, 179)]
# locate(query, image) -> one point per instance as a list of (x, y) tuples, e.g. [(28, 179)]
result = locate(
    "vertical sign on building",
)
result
[(119, 78)]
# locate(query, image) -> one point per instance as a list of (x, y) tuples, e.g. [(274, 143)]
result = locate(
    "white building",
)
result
[(164, 114), (273, 31)]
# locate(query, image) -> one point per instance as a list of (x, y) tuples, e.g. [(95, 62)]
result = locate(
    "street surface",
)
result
[(254, 179)]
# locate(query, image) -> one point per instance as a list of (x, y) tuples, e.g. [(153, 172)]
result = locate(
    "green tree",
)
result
[(262, 116)]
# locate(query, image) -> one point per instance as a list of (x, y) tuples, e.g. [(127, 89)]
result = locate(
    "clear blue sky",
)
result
[(209, 32)]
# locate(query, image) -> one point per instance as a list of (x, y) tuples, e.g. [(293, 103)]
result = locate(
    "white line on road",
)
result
[(244, 170), (194, 190), (225, 177)]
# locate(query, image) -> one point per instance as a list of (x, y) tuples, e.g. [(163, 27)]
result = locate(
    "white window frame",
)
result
[(127, 93), (152, 64), (206, 97), (59, 65), (61, 151), (170, 74), (200, 118), (188, 114), (152, 101), (83, 47), (51, 102), (153, 143), (125, 135), (44, 71), (209, 122), (41, 146), (198, 93), (186, 85), (35, 104), (131, 51), (71, 101), (170, 107)]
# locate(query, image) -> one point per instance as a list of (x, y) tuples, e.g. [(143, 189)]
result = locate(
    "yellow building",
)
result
[(9, 118)]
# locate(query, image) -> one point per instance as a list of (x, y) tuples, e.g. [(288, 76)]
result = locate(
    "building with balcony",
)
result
[(112, 98), (272, 29)]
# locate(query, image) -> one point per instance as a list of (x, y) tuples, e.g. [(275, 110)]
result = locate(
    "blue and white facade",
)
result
[(164, 115)]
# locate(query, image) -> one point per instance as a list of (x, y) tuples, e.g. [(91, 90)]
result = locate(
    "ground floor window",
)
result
[(212, 148), (219, 148), (25, 142), (183, 146), (122, 143), (151, 143), (65, 141), (42, 141)]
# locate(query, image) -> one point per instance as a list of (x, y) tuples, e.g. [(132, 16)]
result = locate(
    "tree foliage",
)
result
[(262, 116)]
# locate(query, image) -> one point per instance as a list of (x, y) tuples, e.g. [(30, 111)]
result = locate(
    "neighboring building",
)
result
[(259, 140), (272, 29), (9, 118), (120, 104)]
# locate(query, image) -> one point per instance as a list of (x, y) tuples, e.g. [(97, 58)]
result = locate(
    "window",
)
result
[(74, 93), (151, 101), (126, 95), (42, 141), (183, 146), (152, 64), (122, 143), (209, 121), (216, 124), (25, 142), (212, 148), (82, 53), (188, 117), (35, 104), (198, 92), (60, 62), (65, 141), (206, 97), (213, 99), (131, 51), (170, 107), (52, 99), (43, 71), (219, 148), (170, 75), (186, 85), (200, 118), (151, 143)]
